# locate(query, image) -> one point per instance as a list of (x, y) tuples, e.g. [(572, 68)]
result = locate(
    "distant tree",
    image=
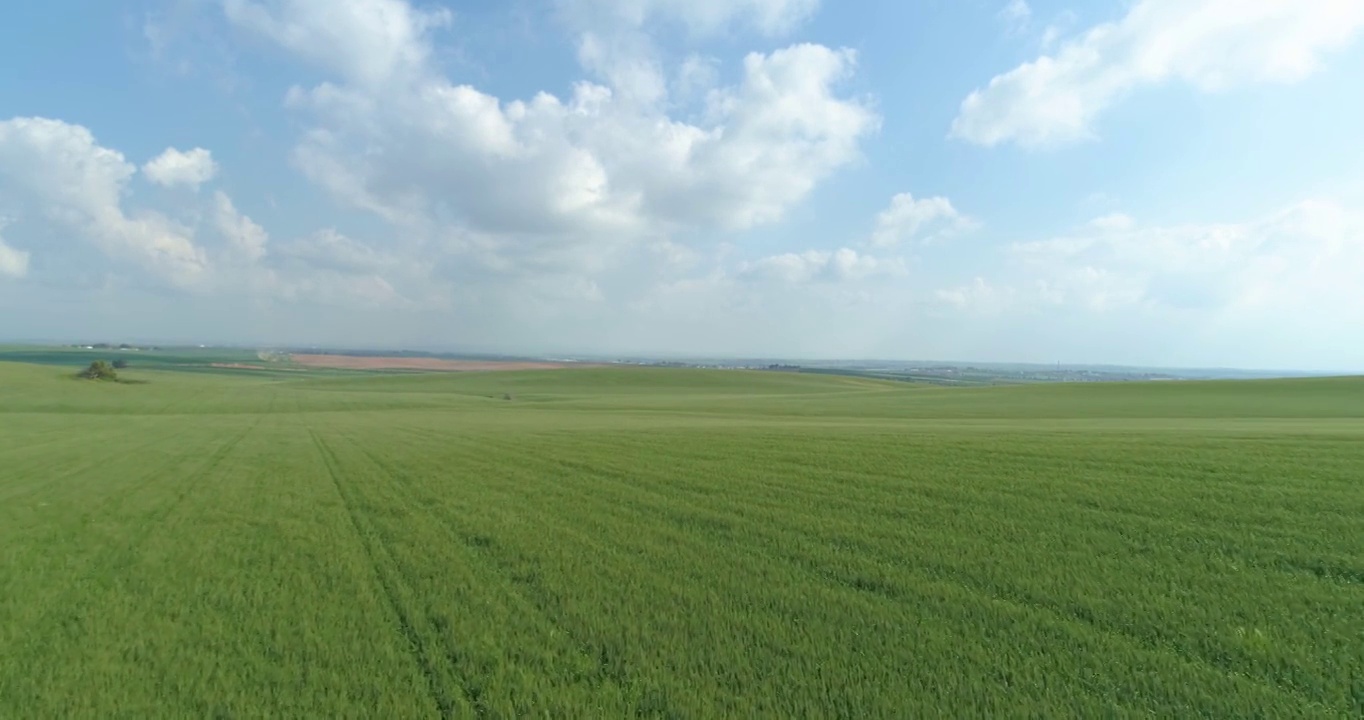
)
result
[(99, 370), (120, 364)]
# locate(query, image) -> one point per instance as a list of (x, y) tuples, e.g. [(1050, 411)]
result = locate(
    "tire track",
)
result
[(451, 653), (71, 471), (107, 564), (590, 648), (188, 487), (642, 498), (381, 563)]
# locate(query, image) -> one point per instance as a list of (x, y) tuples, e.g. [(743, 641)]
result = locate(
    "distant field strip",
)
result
[(641, 543)]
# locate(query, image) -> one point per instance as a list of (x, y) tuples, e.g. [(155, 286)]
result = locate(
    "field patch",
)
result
[(367, 362), (623, 542)]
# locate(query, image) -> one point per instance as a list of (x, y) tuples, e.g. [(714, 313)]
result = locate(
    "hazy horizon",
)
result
[(590, 355), (1151, 184)]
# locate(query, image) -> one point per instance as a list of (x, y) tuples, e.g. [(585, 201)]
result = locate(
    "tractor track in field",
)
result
[(484, 553), (844, 578), (456, 534), (187, 487), (384, 569), (818, 570), (124, 554), (155, 520), (529, 589), (156, 439)]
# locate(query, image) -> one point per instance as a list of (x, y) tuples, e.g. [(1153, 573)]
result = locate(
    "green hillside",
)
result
[(636, 542)]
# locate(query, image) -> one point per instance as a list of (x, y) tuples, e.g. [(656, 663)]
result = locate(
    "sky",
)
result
[(1137, 182)]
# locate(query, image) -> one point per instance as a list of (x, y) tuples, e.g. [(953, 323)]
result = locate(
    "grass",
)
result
[(672, 543), (216, 361)]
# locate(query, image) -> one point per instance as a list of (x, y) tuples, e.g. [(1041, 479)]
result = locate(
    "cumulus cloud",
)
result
[(1209, 44), (699, 17), (244, 236), (332, 250), (175, 168), (842, 265), (557, 181), (335, 289), (695, 77), (56, 179), (615, 37), (977, 296), (366, 42), (1301, 262), (924, 220), (55, 172)]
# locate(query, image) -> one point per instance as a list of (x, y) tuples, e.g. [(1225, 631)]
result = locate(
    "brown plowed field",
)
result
[(356, 362)]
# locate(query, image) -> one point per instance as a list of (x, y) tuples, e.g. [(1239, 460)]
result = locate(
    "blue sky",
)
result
[(1154, 182)]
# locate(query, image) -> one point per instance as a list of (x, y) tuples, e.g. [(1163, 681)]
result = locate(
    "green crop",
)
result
[(669, 543)]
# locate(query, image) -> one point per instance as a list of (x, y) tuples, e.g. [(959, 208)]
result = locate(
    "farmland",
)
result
[(610, 542)]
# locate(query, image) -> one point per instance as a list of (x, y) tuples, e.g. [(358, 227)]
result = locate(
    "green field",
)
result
[(168, 358), (671, 543)]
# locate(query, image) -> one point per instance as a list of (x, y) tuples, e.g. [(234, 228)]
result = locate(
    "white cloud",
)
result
[(978, 296), (56, 179), (367, 42), (1062, 24), (54, 172), (1276, 291), (615, 40), (695, 77), (1299, 264), (1113, 221), (338, 290), (842, 265), (554, 182), (1016, 15), (247, 239), (699, 17), (1210, 44), (909, 220), (172, 168), (332, 250)]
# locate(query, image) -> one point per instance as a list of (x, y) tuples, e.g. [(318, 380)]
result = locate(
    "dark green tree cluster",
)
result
[(100, 370)]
